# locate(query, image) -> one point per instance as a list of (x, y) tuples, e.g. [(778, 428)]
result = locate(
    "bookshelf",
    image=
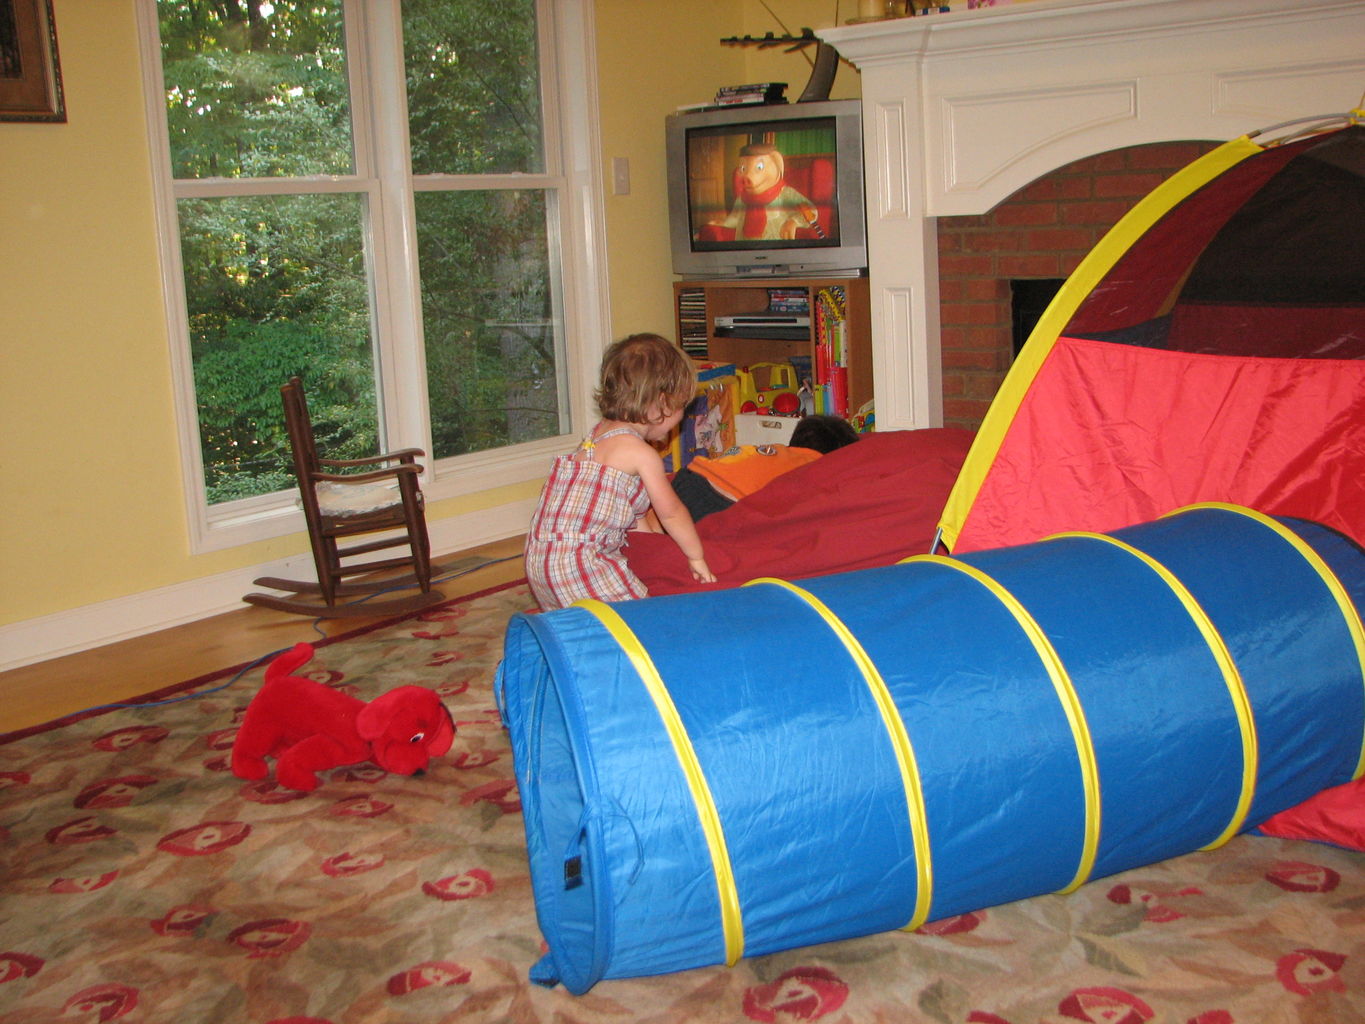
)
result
[(839, 334)]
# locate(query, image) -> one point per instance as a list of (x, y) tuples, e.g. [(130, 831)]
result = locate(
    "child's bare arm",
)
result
[(674, 517), (633, 455)]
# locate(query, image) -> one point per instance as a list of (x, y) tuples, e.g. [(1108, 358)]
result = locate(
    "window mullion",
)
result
[(382, 148), (216, 188), (482, 182), (570, 110)]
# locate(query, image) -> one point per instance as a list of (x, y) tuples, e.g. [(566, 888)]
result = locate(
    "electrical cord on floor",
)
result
[(435, 579), (317, 626), (183, 697)]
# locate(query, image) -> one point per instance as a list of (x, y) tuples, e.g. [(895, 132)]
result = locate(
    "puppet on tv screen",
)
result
[(766, 207)]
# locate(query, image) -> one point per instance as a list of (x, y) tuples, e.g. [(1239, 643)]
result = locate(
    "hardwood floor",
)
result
[(40, 693)]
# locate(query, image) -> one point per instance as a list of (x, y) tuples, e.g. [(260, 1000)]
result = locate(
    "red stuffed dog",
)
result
[(308, 727)]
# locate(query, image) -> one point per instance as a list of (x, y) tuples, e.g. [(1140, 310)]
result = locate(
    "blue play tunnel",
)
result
[(718, 775)]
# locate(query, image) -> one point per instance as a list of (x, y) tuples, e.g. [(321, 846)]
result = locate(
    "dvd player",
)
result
[(762, 320)]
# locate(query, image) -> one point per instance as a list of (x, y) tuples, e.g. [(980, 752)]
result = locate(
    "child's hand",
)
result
[(701, 572)]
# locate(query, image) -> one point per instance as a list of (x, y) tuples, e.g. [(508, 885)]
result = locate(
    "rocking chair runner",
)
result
[(337, 506)]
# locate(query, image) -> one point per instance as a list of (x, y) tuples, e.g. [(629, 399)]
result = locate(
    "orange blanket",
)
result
[(751, 468)]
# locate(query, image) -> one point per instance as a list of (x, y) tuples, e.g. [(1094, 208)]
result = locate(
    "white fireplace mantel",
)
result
[(962, 109)]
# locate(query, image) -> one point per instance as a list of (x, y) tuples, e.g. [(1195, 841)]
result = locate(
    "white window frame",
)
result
[(572, 179)]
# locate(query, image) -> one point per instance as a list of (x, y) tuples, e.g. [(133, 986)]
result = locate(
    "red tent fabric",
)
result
[(1111, 435), (1210, 348), (1335, 816)]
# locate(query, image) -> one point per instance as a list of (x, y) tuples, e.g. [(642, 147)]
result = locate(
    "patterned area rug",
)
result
[(143, 882)]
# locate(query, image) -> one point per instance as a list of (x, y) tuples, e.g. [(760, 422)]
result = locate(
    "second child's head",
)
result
[(645, 379), (822, 433)]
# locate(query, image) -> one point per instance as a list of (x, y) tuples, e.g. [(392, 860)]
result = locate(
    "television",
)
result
[(772, 190)]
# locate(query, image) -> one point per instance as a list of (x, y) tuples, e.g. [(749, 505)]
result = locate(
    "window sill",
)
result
[(238, 523)]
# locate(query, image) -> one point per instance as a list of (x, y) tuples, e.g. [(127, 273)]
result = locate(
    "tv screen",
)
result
[(767, 189)]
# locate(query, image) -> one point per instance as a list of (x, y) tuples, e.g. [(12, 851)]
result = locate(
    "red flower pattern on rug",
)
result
[(1307, 972), (804, 993)]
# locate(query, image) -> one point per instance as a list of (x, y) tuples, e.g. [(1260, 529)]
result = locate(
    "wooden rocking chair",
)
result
[(340, 505)]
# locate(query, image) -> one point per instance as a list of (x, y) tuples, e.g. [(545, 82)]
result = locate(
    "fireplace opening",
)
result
[(999, 271), (1029, 298)]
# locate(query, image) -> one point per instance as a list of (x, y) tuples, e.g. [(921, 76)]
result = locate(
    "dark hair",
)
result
[(639, 371), (822, 433)]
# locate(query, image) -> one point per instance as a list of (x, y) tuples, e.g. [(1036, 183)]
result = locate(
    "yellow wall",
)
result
[(88, 447), (90, 464)]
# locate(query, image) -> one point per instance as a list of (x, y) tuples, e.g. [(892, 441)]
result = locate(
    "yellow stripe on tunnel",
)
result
[(732, 923), (1335, 587), (1232, 678), (900, 743), (1066, 694)]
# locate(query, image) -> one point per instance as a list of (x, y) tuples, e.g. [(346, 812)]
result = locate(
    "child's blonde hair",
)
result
[(640, 371)]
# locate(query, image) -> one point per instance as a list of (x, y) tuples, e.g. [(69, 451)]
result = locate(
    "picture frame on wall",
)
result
[(30, 72)]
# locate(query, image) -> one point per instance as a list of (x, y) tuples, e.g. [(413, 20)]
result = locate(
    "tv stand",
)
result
[(698, 303)]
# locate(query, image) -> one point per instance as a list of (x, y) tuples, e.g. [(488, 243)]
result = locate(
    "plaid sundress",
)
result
[(573, 549)]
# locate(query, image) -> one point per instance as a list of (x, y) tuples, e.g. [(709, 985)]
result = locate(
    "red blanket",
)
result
[(869, 504)]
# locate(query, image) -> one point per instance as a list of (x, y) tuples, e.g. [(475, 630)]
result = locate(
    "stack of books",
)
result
[(831, 352), (758, 92)]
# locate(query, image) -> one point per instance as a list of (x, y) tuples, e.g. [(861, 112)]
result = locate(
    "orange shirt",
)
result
[(743, 470)]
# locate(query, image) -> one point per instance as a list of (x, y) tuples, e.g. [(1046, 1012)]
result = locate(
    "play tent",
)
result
[(1210, 347)]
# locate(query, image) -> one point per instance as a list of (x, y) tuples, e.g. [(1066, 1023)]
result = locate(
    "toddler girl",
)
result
[(598, 492)]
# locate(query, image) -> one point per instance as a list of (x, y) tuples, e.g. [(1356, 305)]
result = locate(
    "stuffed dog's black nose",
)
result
[(419, 771)]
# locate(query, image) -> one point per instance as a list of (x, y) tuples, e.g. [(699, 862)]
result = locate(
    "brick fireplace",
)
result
[(1000, 143), (1036, 236)]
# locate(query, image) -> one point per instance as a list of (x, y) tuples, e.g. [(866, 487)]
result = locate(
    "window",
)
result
[(385, 199)]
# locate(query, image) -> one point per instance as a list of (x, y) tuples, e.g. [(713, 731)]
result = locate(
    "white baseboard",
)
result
[(80, 629)]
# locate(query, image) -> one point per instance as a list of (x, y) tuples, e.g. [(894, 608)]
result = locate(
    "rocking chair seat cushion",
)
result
[(356, 499)]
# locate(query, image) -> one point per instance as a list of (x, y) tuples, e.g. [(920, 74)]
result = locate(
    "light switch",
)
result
[(620, 176)]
